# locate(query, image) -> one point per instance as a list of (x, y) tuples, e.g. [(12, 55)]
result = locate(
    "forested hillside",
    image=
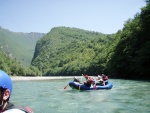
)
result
[(14, 68), (16, 52), (131, 55), (71, 51), (19, 46)]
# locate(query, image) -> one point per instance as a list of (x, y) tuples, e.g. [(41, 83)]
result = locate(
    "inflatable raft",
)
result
[(79, 86)]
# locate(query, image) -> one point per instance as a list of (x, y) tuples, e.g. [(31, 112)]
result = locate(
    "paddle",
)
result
[(68, 84), (66, 87), (95, 85)]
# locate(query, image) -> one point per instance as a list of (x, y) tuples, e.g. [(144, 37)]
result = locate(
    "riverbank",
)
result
[(16, 78)]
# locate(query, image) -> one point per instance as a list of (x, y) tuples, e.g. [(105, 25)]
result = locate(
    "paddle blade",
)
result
[(94, 86), (65, 87)]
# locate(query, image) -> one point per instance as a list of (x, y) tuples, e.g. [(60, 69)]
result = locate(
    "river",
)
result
[(48, 96)]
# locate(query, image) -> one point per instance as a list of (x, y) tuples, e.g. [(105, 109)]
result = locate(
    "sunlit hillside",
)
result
[(19, 46)]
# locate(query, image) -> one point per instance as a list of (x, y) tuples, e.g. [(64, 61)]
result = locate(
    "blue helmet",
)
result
[(5, 81)]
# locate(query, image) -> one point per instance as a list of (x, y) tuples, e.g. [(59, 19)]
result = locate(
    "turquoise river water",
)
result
[(48, 96)]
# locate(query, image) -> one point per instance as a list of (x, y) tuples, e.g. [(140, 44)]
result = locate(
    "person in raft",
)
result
[(105, 79), (5, 93), (89, 80), (76, 79), (99, 80)]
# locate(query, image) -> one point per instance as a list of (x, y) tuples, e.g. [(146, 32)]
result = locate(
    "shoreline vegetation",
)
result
[(21, 78)]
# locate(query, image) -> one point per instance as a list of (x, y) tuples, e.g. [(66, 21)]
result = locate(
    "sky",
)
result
[(105, 16)]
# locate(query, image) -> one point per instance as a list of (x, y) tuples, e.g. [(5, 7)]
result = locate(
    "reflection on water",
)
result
[(126, 96)]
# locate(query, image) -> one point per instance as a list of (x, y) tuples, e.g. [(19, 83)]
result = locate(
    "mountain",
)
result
[(72, 51), (19, 46), (67, 51)]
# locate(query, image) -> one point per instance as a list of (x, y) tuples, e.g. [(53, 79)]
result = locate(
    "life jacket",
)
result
[(22, 108), (105, 78), (90, 80)]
